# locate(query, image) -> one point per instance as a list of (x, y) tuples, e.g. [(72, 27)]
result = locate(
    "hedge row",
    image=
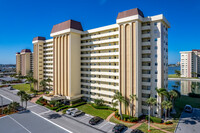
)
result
[(154, 119), (103, 107), (68, 106), (126, 117), (194, 95)]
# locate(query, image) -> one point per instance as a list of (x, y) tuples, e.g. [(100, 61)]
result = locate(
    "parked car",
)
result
[(136, 131), (188, 108), (119, 128), (70, 110), (95, 120), (76, 113)]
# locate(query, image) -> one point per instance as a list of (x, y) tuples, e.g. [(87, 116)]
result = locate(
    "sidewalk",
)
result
[(33, 100), (159, 128), (108, 118), (138, 124)]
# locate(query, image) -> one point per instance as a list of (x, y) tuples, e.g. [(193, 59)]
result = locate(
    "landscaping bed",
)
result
[(117, 121)]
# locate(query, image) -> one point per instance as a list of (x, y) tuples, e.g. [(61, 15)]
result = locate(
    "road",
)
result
[(75, 125), (189, 122)]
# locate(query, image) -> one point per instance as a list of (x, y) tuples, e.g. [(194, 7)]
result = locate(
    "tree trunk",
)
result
[(130, 110), (30, 86), (120, 111), (169, 113), (165, 114), (149, 118), (26, 105)]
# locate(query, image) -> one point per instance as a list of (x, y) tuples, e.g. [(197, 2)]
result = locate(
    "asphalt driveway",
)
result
[(189, 122)]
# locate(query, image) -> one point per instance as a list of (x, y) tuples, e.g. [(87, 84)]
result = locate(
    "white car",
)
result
[(70, 110), (188, 108), (76, 113)]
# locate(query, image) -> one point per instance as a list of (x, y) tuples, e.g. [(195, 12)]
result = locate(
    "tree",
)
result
[(166, 105), (162, 92), (13, 106), (49, 82), (173, 95), (30, 79), (120, 99), (194, 74), (43, 83), (132, 99), (114, 104), (99, 102), (21, 93), (178, 73), (150, 101), (26, 98)]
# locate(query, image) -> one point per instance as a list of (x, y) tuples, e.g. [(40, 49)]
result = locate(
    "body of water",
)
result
[(171, 70)]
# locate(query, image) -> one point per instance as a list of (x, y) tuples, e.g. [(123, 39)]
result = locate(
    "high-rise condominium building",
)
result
[(24, 62), (190, 63), (130, 56)]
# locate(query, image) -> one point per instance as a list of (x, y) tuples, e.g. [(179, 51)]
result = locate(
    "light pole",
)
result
[(149, 118)]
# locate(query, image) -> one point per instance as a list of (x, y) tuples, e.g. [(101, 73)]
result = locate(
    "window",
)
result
[(155, 23), (156, 40), (156, 64), (156, 72), (156, 55), (156, 80), (156, 47)]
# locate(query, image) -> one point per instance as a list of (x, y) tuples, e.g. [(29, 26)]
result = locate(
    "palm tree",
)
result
[(114, 104), (132, 99), (43, 83), (26, 98), (178, 73), (30, 79), (21, 94), (49, 81), (166, 105), (173, 95), (13, 106), (150, 101), (120, 99), (162, 92)]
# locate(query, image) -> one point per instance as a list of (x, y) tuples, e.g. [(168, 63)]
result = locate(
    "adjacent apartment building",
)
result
[(190, 63), (24, 62), (130, 56)]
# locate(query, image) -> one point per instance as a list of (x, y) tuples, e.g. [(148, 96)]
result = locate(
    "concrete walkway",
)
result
[(108, 118), (138, 124), (159, 128), (33, 100)]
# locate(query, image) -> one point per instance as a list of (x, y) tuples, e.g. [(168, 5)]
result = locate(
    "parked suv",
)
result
[(76, 113), (95, 120)]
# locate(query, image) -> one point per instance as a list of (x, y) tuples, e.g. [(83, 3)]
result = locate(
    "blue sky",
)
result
[(21, 20)]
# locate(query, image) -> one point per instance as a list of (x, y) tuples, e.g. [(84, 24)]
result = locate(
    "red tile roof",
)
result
[(130, 12), (66, 25)]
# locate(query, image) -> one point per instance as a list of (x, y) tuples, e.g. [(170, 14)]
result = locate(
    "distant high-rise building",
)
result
[(190, 63), (130, 56), (24, 62)]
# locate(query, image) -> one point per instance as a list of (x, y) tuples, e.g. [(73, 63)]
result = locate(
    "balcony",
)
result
[(48, 62), (111, 93), (100, 54), (100, 60), (98, 97), (146, 51), (146, 83), (101, 73), (101, 41), (48, 70), (101, 35), (146, 43), (146, 91), (147, 27), (147, 35), (51, 57), (101, 67), (49, 53), (48, 49), (101, 79), (146, 67), (101, 85), (101, 48), (146, 59), (48, 45), (146, 75)]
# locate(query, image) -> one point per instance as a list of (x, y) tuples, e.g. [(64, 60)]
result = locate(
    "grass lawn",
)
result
[(144, 128), (182, 101), (114, 120), (24, 87), (173, 76), (169, 128), (88, 109)]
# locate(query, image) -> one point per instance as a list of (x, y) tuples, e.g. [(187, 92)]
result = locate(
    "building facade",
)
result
[(24, 62), (130, 56), (190, 63)]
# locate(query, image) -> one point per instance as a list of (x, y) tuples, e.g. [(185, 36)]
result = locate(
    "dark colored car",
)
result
[(188, 108), (119, 128), (95, 120), (136, 131)]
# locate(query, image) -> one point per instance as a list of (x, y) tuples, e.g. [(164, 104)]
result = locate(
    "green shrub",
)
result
[(102, 107), (194, 95), (68, 106), (169, 122), (154, 119), (133, 119)]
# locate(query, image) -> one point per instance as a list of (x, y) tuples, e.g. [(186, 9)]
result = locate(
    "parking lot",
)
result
[(189, 122), (5, 101), (28, 122), (104, 126)]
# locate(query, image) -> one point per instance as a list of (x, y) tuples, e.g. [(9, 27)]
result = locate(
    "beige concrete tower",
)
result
[(66, 59), (18, 63), (24, 62), (38, 71)]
